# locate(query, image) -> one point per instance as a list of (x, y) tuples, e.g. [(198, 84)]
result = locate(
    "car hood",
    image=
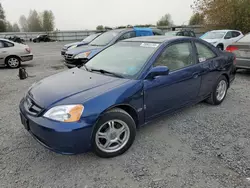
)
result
[(60, 86), (86, 48), (75, 43), (211, 40)]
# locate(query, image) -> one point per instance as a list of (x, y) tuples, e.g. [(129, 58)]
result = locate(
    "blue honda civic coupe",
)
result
[(100, 105)]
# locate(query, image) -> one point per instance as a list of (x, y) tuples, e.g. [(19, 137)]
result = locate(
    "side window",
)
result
[(127, 36), (229, 35), (235, 34), (179, 34), (192, 34), (186, 33), (176, 56), (8, 44), (1, 44), (204, 53)]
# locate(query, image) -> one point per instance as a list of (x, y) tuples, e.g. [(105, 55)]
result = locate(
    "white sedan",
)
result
[(222, 38), (12, 54)]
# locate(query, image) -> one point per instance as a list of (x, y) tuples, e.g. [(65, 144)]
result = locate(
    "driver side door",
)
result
[(179, 88)]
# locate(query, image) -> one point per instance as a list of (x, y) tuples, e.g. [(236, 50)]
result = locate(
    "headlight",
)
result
[(65, 113), (82, 55), (71, 47)]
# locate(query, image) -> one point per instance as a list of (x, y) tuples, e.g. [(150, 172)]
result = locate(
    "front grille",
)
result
[(68, 56), (32, 107)]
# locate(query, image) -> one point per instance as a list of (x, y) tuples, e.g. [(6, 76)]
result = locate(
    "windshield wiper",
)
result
[(86, 68), (107, 72)]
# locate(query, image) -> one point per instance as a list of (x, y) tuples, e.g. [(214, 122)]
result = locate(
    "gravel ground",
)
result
[(201, 146)]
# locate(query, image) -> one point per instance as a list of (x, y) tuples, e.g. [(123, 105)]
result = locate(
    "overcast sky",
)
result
[(87, 14)]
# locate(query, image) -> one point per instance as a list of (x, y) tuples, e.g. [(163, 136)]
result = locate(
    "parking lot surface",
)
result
[(201, 146)]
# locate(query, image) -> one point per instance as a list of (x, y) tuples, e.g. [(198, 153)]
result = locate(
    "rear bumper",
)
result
[(242, 63), (27, 58)]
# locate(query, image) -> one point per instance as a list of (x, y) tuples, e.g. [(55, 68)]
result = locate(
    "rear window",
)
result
[(246, 38)]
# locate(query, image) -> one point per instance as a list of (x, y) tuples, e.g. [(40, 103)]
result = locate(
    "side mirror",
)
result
[(157, 71)]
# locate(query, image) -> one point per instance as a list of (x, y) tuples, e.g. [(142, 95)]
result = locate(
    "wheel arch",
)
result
[(127, 108), (227, 77), (221, 44)]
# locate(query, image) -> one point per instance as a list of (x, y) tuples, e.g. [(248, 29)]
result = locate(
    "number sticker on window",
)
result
[(149, 45), (202, 59)]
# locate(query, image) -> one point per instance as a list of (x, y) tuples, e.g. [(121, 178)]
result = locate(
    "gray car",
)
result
[(241, 49), (12, 54)]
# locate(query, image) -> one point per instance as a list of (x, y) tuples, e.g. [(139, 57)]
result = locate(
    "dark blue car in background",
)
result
[(81, 55), (85, 41), (100, 105)]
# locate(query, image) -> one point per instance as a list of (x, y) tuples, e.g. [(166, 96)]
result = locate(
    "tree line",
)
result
[(226, 14), (35, 22)]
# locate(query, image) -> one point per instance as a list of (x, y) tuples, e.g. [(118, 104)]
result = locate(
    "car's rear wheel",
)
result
[(219, 91), (13, 62), (113, 134)]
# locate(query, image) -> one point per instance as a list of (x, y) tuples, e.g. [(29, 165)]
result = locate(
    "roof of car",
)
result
[(224, 30), (5, 40), (154, 39)]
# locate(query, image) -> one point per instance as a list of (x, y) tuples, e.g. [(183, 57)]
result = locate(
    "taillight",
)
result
[(28, 50), (231, 48)]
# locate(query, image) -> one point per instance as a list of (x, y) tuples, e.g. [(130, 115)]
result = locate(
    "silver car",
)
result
[(12, 54), (241, 49)]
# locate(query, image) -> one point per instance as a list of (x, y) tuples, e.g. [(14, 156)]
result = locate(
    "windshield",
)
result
[(246, 38), (90, 38), (124, 58), (171, 33), (213, 35), (104, 39)]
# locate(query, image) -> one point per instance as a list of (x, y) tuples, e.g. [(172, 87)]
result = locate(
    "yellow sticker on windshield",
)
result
[(149, 45)]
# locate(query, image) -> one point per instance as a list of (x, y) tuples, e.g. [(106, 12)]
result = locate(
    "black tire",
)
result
[(114, 114), (213, 97), (220, 47), (17, 59)]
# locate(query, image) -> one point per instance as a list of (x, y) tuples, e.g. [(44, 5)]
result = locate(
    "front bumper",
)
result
[(242, 63), (75, 62), (64, 138), (63, 52), (27, 57)]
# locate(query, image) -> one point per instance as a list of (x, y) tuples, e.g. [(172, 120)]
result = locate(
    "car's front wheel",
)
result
[(113, 134), (219, 91)]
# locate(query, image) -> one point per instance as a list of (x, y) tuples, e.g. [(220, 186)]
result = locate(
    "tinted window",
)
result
[(204, 52), (229, 35), (246, 38), (186, 33), (179, 34), (127, 35), (176, 56), (123, 58), (1, 44), (192, 34), (235, 34), (104, 39), (8, 44)]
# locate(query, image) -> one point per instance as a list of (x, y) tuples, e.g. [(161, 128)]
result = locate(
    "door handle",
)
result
[(196, 75)]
